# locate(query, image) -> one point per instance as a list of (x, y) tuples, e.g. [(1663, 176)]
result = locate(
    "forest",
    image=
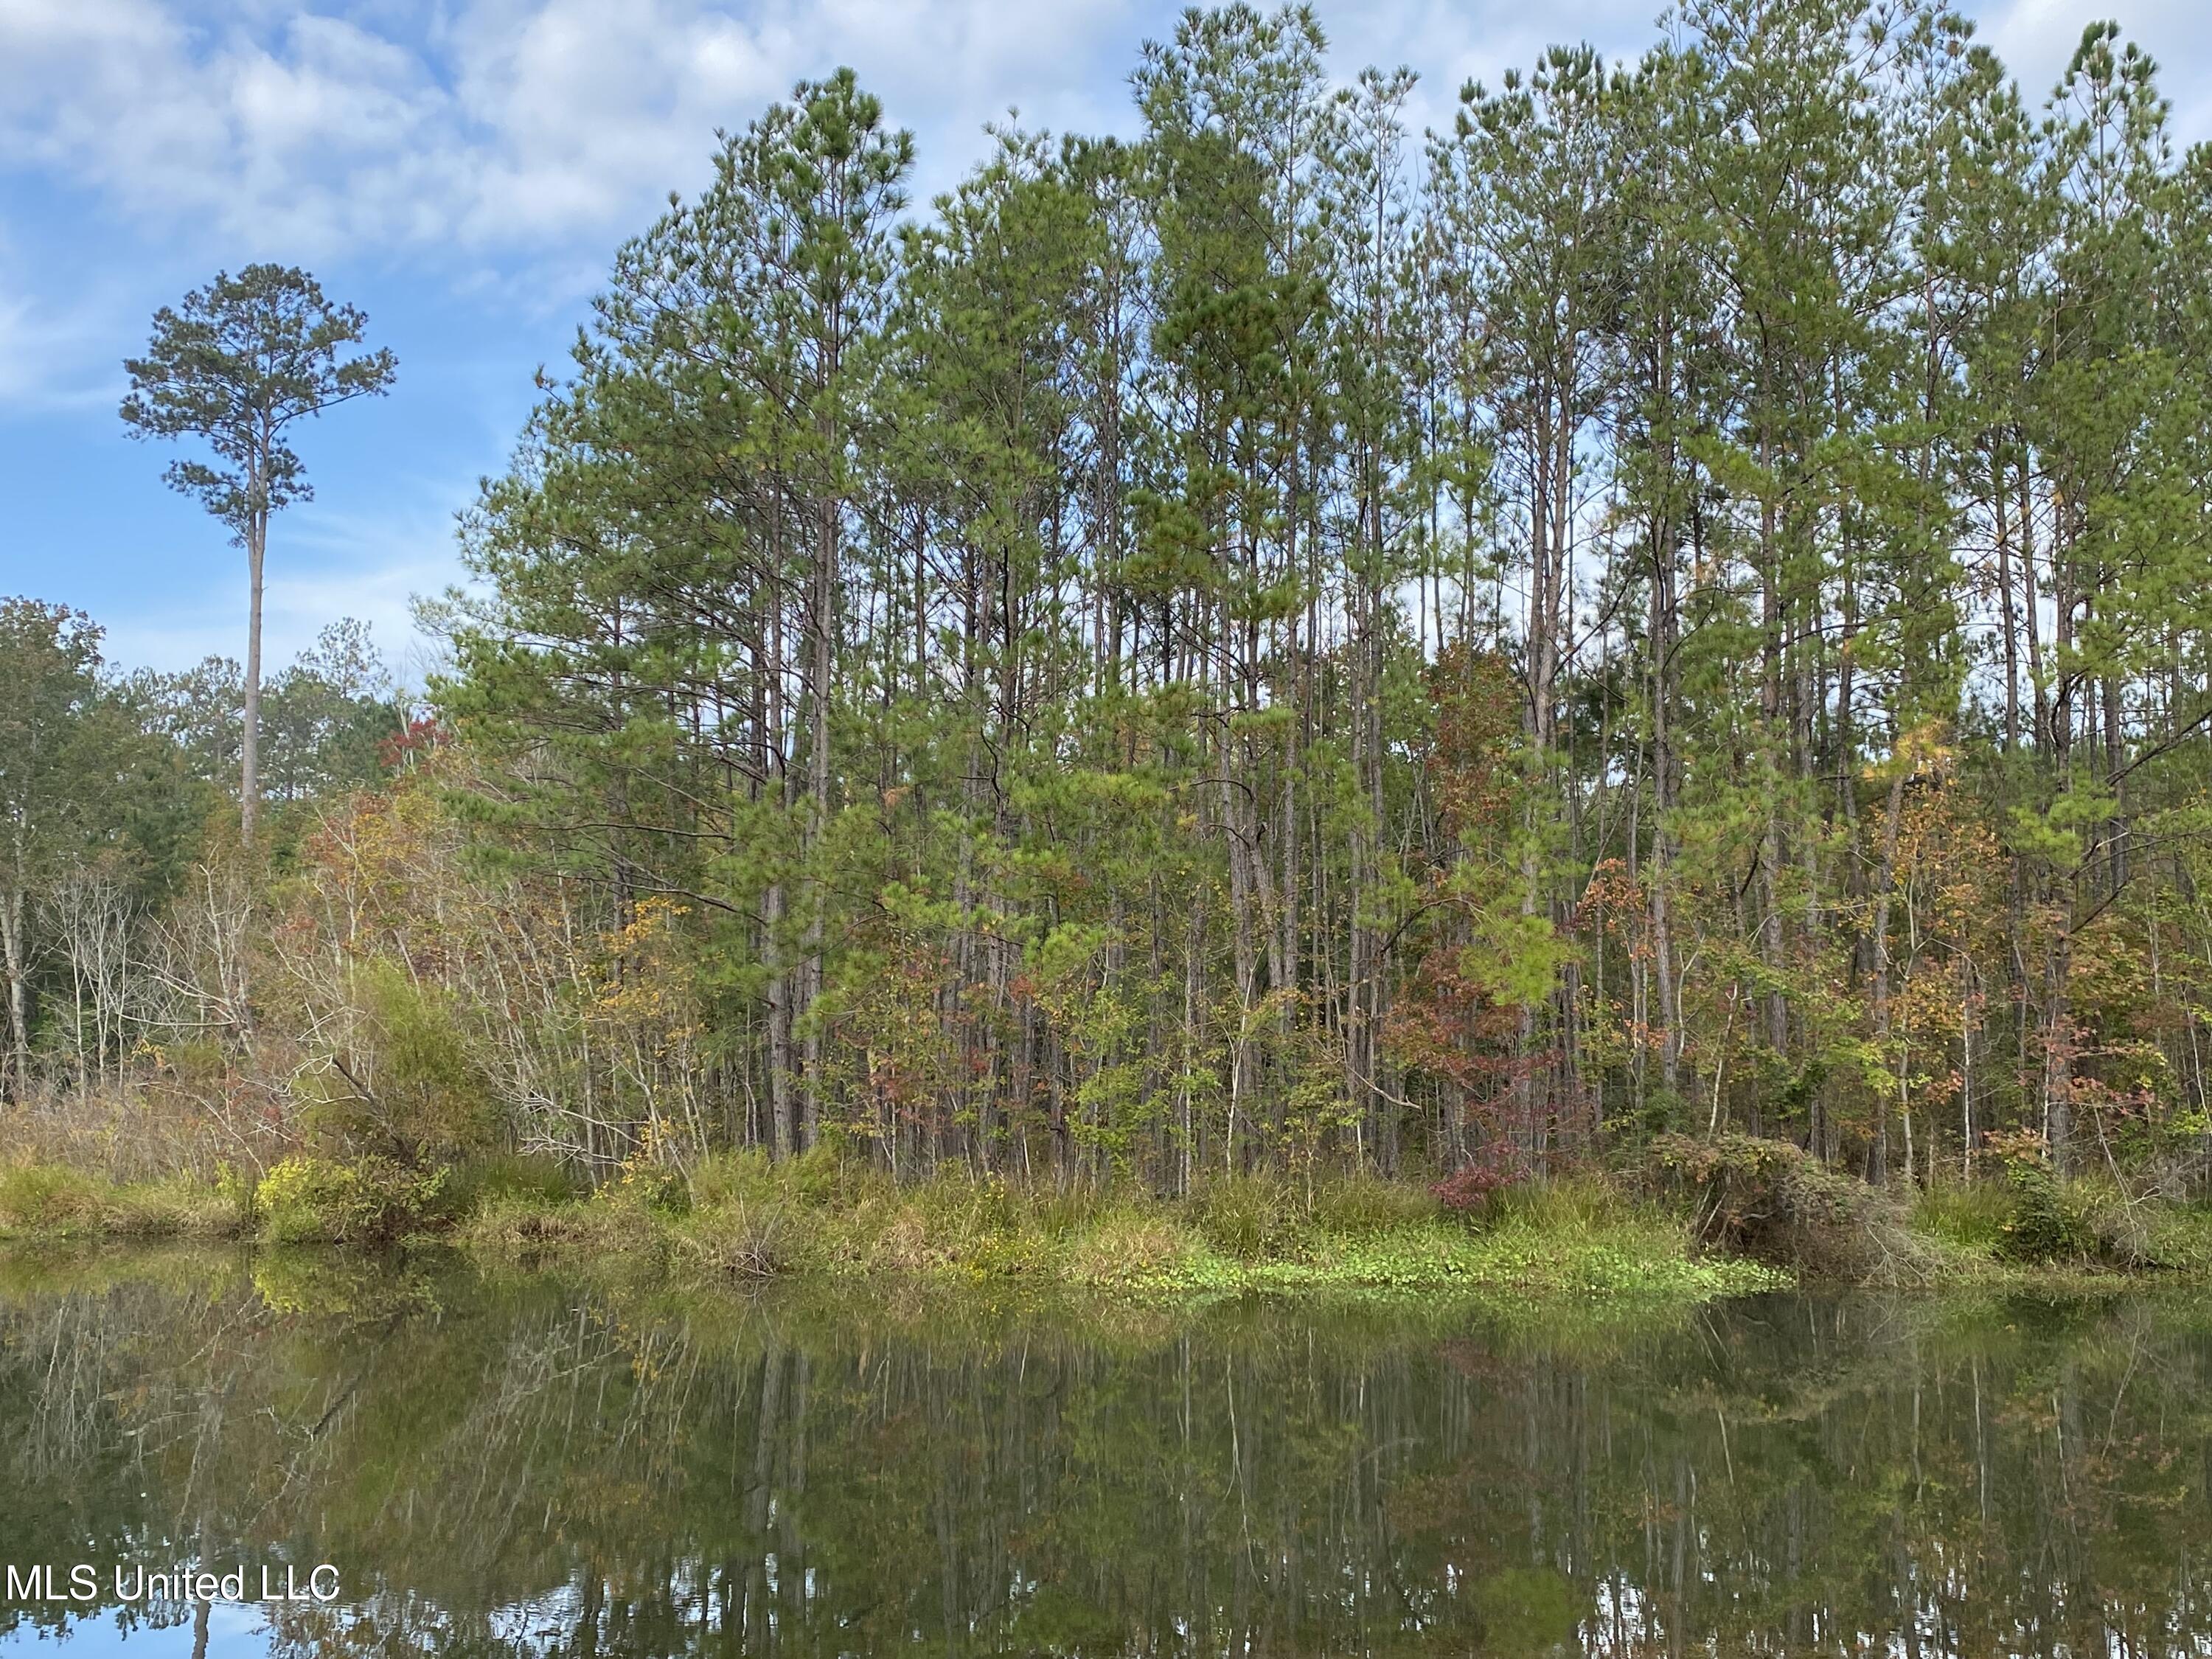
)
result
[(1670, 610)]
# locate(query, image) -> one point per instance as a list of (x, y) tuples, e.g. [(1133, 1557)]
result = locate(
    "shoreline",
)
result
[(738, 1220)]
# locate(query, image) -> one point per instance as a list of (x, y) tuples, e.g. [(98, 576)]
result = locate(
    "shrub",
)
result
[(2042, 1226), (372, 1201), (1774, 1202), (404, 1078), (2090, 1221), (1493, 1169)]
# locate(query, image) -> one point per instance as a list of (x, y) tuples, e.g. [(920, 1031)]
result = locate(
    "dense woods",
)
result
[(1676, 606)]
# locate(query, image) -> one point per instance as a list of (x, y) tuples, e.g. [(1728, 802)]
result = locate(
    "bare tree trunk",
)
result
[(1878, 988), (2009, 629), (821, 604), (2057, 1051), (781, 1114), (249, 781), (1769, 708), (13, 953)]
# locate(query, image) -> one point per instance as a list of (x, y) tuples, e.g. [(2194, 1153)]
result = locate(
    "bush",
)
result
[(306, 1200), (1774, 1202), (2089, 1221), (2042, 1226), (1498, 1165), (404, 1078)]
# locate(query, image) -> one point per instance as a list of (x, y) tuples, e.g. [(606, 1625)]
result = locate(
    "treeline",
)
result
[(124, 904), (1677, 605)]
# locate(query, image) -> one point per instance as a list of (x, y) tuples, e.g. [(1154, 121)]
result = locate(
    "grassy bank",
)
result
[(47, 1201), (1751, 1220), (739, 1218)]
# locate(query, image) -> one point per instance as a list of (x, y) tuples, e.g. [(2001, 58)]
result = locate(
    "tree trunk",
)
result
[(249, 782), (13, 954), (1878, 990)]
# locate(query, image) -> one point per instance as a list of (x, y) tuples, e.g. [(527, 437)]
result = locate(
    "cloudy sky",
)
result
[(463, 169)]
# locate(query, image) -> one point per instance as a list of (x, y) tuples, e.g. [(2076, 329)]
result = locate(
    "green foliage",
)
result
[(235, 365), (1970, 1215), (503, 1178), (237, 1190), (1198, 665), (403, 1083), (1769, 1201), (48, 1198), (818, 1217), (2042, 1224), (1246, 1217), (1527, 1611), (1350, 1205), (371, 1201), (741, 1240)]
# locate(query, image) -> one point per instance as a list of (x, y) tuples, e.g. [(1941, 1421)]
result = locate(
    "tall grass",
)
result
[(739, 1216), (54, 1200)]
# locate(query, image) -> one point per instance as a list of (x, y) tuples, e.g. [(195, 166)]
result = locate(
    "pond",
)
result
[(531, 1464)]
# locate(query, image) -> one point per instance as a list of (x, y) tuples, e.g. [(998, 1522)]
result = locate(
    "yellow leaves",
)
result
[(1923, 752), (643, 980)]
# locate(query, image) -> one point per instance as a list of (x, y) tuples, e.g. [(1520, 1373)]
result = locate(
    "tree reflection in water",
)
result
[(535, 1467)]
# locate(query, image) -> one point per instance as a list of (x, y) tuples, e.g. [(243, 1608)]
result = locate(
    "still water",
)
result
[(535, 1465)]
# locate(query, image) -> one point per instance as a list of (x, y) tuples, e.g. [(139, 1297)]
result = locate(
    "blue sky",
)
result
[(463, 169)]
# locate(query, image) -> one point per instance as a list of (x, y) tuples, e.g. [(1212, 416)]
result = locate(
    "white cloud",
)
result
[(504, 125), (495, 150), (370, 570), (2036, 38), (48, 342), (509, 124)]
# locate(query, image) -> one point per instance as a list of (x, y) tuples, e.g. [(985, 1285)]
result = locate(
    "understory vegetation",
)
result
[(1738, 1216), (1614, 690)]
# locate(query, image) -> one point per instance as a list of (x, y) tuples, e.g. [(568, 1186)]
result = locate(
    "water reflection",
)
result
[(534, 1466)]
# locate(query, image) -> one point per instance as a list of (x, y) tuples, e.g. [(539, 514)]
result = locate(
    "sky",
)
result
[(464, 170)]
